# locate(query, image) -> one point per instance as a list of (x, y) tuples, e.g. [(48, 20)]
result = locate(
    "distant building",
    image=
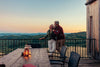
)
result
[(93, 27)]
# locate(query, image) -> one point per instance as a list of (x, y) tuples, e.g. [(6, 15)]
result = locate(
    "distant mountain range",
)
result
[(79, 35), (18, 34)]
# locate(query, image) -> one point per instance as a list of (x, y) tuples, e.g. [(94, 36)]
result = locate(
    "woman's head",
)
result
[(51, 26)]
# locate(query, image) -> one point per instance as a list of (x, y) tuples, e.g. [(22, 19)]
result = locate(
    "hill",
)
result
[(79, 35)]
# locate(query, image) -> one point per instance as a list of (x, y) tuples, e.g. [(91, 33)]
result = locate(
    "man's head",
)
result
[(56, 23)]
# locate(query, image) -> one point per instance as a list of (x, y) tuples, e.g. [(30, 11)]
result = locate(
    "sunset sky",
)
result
[(33, 16)]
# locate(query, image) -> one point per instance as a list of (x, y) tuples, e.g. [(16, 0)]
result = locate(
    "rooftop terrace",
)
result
[(76, 45)]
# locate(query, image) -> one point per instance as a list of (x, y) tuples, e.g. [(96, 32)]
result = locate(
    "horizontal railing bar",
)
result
[(45, 39)]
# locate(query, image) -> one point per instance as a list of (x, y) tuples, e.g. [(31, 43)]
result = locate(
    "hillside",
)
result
[(80, 35)]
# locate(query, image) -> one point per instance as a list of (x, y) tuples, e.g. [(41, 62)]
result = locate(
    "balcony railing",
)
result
[(77, 45)]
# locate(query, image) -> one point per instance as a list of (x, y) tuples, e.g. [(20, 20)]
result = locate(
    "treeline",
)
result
[(80, 35)]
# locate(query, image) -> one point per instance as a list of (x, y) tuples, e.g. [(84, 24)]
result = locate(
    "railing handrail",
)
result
[(47, 39)]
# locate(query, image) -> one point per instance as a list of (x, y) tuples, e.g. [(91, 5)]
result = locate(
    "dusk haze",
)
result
[(49, 33), (33, 16)]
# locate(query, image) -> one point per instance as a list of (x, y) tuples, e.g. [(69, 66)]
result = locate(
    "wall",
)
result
[(93, 10), (99, 28)]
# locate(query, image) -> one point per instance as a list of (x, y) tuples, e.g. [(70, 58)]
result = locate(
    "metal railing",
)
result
[(76, 45), (80, 46)]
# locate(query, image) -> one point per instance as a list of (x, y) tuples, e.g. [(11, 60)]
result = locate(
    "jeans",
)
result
[(52, 45)]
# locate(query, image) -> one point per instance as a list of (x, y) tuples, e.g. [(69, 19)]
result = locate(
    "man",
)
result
[(60, 35)]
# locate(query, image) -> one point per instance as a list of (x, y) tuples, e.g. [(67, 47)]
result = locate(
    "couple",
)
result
[(56, 37)]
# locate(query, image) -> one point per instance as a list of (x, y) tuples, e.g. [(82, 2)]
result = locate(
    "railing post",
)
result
[(45, 44), (5, 46), (75, 45), (2, 48), (13, 44), (94, 47)]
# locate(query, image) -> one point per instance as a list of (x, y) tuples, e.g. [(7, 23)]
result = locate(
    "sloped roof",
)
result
[(90, 1)]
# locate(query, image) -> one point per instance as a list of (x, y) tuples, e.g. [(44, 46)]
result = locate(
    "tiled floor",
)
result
[(85, 63)]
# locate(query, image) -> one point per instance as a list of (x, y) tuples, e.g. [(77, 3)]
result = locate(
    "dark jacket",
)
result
[(50, 35), (59, 33)]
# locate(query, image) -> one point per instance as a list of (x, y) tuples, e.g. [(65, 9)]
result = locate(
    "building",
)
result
[(93, 27)]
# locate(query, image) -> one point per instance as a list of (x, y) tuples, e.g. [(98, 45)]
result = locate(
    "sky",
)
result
[(35, 16)]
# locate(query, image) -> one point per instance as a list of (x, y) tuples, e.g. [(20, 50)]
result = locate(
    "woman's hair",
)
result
[(51, 26)]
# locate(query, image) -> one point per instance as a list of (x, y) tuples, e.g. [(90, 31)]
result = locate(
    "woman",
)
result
[(51, 39)]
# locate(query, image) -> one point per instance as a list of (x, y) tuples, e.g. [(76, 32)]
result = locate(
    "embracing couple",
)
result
[(56, 37)]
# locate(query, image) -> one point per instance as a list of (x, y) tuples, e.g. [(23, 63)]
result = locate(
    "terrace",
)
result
[(77, 45)]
